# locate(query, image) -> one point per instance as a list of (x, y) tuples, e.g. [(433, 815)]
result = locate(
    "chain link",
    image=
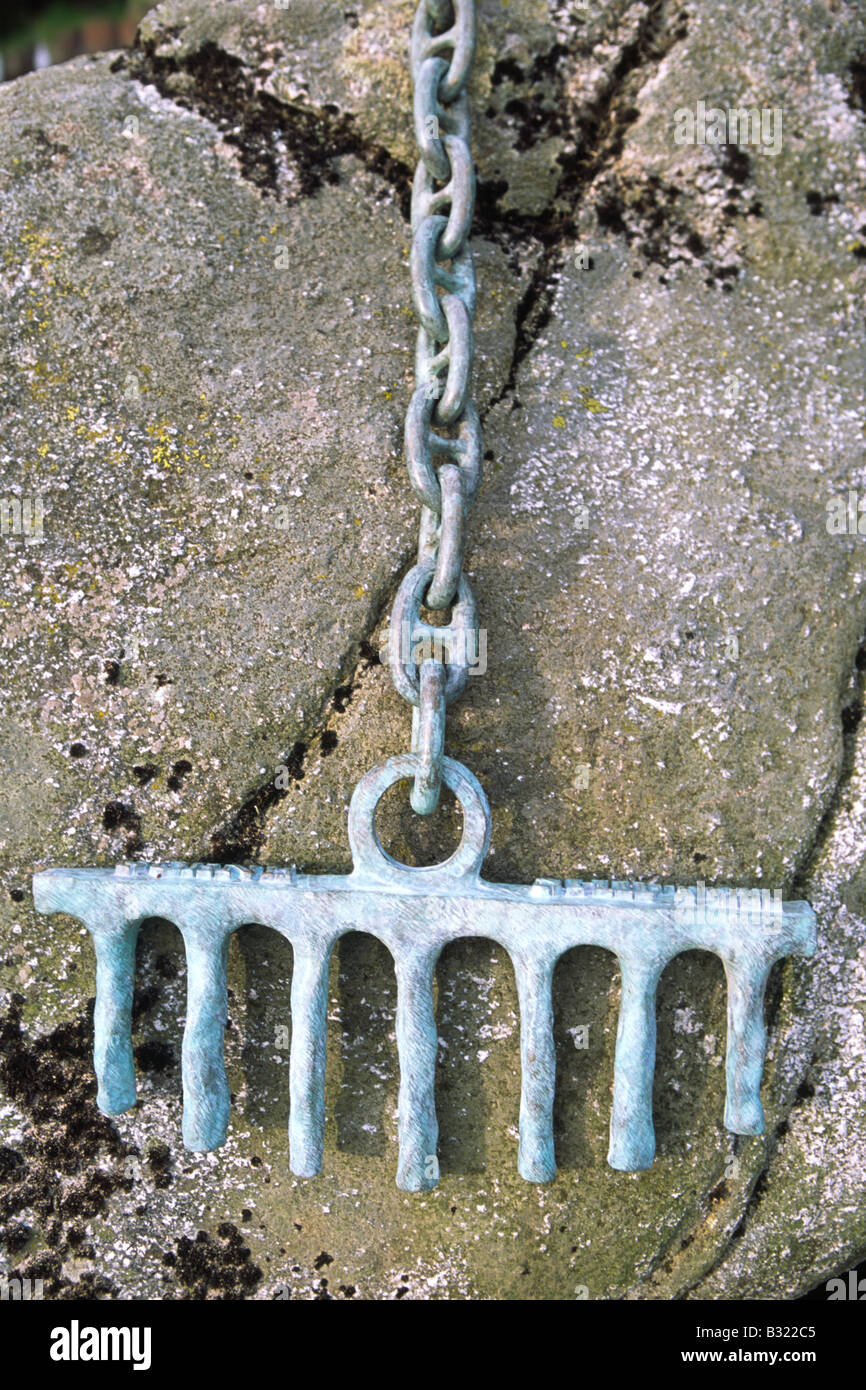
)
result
[(432, 673)]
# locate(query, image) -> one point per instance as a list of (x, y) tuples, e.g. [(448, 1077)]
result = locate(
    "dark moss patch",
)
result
[(857, 83), (159, 1162), (178, 772), (118, 816), (95, 242), (154, 1056), (72, 1160), (328, 742), (216, 84), (218, 1267), (165, 967), (143, 1001)]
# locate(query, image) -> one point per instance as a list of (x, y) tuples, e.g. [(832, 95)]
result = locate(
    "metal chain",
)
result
[(433, 672)]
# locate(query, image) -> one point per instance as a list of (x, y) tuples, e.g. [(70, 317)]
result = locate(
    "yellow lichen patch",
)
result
[(164, 450), (41, 246), (589, 402), (41, 378)]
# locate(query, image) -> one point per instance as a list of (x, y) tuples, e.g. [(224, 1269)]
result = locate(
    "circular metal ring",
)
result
[(373, 864)]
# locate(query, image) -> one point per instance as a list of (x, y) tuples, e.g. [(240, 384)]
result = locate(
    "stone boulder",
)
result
[(208, 353)]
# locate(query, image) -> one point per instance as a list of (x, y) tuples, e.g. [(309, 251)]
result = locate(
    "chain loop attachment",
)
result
[(456, 356), (458, 194), (411, 641), (449, 540), (373, 864), (428, 737), (421, 443), (459, 40), (428, 272), (433, 673)]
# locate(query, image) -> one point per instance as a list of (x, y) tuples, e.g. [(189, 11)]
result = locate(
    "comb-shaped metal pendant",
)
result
[(416, 912)]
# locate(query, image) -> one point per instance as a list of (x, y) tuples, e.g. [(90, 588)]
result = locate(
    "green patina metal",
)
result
[(416, 912)]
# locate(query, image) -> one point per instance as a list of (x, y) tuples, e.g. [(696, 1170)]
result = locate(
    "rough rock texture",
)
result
[(208, 339)]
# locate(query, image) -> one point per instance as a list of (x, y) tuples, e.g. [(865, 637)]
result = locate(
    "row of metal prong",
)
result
[(206, 1092)]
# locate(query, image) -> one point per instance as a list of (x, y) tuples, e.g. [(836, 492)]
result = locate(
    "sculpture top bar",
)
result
[(758, 904), (376, 871)]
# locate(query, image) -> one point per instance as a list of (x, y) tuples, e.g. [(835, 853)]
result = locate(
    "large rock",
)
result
[(209, 339)]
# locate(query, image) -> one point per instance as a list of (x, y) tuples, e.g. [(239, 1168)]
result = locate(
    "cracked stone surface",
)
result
[(208, 339)]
